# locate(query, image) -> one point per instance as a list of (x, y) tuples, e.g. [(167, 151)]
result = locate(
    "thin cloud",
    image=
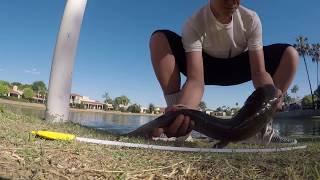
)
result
[(32, 71)]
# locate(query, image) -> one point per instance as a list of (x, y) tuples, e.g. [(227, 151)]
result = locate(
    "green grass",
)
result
[(25, 156)]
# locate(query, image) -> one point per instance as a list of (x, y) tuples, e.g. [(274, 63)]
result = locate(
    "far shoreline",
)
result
[(43, 107)]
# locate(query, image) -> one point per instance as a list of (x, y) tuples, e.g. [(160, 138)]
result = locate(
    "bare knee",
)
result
[(291, 57), (159, 43), (158, 37), (287, 68)]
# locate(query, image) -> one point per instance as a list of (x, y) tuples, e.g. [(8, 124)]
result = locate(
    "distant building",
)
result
[(123, 107), (218, 113), (77, 100), (159, 110), (93, 105), (109, 107), (39, 99), (209, 111), (144, 110), (15, 92)]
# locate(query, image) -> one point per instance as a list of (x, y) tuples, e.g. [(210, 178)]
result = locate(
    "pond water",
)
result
[(119, 123)]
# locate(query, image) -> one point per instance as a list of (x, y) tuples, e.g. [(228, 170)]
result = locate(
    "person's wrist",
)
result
[(176, 107), (168, 109), (279, 95)]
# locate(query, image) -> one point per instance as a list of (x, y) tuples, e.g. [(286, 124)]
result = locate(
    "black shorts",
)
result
[(225, 72)]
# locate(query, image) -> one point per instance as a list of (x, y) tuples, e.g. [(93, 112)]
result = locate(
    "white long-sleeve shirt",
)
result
[(203, 32)]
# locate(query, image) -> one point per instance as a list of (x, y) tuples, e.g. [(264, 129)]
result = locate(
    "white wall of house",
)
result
[(143, 110)]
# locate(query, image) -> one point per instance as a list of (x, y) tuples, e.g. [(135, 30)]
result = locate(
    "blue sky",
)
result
[(113, 54)]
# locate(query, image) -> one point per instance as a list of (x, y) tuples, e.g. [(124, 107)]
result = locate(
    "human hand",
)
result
[(181, 126)]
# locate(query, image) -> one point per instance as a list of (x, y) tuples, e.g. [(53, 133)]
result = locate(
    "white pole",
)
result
[(62, 65)]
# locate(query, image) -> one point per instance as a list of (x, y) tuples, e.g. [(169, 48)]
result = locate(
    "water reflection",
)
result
[(29, 111), (298, 126), (119, 123), (116, 123)]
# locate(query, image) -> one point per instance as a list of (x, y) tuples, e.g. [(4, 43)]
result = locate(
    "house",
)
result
[(91, 104), (124, 107), (15, 92), (75, 98), (109, 107), (159, 110), (208, 111), (85, 102), (144, 110), (39, 99), (218, 113)]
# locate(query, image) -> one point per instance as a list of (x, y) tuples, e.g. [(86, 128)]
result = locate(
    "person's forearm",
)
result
[(260, 79), (191, 93)]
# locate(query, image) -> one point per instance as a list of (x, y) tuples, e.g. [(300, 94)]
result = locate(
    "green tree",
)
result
[(235, 110), (124, 100), (315, 55), (24, 86), (219, 109), (116, 103), (28, 93), (121, 100), (4, 90), (317, 92), (295, 89), (307, 101), (228, 112), (5, 83), (107, 98), (134, 108), (287, 99), (151, 108), (16, 84), (202, 106), (39, 87), (303, 49)]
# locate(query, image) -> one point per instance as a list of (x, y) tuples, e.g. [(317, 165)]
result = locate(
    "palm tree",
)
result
[(287, 99), (202, 106), (294, 90), (317, 94), (151, 108), (125, 100), (315, 55), (107, 98), (303, 49)]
